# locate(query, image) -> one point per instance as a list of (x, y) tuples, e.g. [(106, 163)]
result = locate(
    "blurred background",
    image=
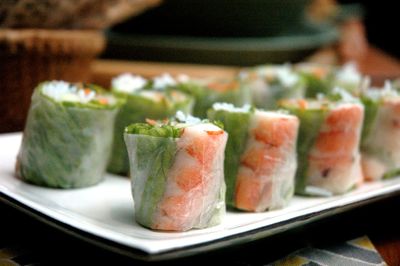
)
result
[(91, 41), (229, 32), (238, 32)]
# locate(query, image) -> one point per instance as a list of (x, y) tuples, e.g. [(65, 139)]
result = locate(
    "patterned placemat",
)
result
[(15, 255), (356, 252)]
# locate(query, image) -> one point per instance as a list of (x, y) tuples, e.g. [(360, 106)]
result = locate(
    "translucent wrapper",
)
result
[(317, 78), (65, 144), (380, 144), (349, 78), (268, 88), (138, 108), (260, 158), (324, 78), (328, 146), (178, 183), (396, 84), (207, 92)]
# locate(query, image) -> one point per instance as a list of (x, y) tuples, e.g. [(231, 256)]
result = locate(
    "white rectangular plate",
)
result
[(104, 214)]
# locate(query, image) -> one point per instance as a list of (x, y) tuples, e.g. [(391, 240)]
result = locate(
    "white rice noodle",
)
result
[(62, 91), (128, 83), (231, 108), (163, 81)]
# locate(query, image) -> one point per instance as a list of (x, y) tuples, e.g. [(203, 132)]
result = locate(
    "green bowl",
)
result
[(242, 51), (222, 18)]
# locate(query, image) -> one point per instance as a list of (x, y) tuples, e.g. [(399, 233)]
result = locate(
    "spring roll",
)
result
[(260, 157), (177, 174), (348, 77), (380, 144), (328, 145), (270, 83), (208, 91), (318, 78), (396, 84), (322, 79), (68, 135), (153, 99)]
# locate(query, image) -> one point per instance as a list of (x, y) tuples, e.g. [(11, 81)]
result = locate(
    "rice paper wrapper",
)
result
[(265, 94), (317, 85), (260, 158), (328, 149), (136, 109), (380, 144), (268, 163), (174, 188), (237, 126), (318, 78), (65, 145), (206, 97)]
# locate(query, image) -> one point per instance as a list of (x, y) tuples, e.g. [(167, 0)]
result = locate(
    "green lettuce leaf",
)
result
[(65, 145), (150, 159), (136, 109), (371, 107), (315, 86), (163, 131), (205, 97), (236, 124), (310, 122)]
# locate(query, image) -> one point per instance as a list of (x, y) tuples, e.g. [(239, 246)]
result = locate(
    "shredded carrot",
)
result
[(282, 102), (103, 101), (151, 121), (269, 78), (87, 91), (302, 103), (222, 86), (319, 72), (214, 133), (253, 75)]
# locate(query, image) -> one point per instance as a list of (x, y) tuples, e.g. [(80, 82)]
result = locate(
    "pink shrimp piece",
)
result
[(194, 180), (270, 148), (334, 161)]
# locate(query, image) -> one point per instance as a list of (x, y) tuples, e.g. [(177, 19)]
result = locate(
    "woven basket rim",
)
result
[(52, 41)]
